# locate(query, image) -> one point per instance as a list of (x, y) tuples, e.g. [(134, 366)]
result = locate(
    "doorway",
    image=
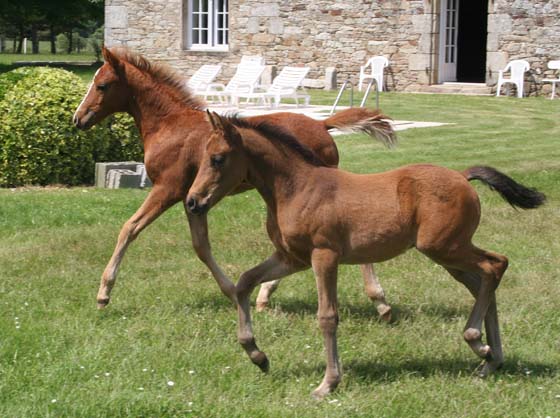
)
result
[(463, 36)]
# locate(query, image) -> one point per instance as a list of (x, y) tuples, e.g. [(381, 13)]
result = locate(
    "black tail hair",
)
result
[(517, 195)]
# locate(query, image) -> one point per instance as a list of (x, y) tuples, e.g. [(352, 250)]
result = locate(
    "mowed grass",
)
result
[(168, 322), (85, 72)]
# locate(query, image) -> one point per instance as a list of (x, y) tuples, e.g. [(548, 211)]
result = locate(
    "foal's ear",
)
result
[(215, 121), (111, 58), (229, 131)]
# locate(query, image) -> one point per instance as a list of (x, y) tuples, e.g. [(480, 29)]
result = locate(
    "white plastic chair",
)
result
[(201, 80), (517, 70), (286, 84), (245, 80), (373, 69), (553, 65)]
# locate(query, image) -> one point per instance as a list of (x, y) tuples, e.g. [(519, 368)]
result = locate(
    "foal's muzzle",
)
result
[(195, 207), (85, 121)]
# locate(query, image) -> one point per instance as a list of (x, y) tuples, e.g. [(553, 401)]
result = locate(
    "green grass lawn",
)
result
[(7, 62), (168, 322)]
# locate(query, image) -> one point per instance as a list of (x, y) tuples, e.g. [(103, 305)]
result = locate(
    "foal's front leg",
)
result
[(275, 267), (325, 267), (199, 234), (157, 202)]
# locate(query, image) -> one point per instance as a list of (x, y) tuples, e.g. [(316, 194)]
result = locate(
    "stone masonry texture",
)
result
[(339, 33)]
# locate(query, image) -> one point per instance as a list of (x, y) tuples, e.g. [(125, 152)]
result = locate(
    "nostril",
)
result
[(191, 204)]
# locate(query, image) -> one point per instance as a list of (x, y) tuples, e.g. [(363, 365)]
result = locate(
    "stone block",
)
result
[(418, 62), (268, 75), (123, 179), (276, 26), (103, 180), (330, 78), (116, 17), (253, 25), (266, 10)]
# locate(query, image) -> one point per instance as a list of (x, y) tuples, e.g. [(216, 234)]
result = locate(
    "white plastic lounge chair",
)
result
[(373, 70), (245, 80), (201, 80), (286, 84), (517, 69), (553, 65)]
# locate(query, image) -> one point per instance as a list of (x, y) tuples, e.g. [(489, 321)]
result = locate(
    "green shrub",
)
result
[(10, 79), (40, 145)]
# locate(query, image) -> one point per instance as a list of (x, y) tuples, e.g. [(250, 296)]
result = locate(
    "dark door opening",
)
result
[(471, 41)]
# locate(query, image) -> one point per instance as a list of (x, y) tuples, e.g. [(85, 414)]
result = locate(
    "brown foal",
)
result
[(320, 217), (174, 128)]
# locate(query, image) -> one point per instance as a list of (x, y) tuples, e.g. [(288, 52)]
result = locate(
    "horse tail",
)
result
[(512, 192), (360, 119)]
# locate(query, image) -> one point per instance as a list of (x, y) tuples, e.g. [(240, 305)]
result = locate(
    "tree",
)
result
[(25, 18)]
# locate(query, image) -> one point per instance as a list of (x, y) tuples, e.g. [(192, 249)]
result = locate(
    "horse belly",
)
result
[(377, 246)]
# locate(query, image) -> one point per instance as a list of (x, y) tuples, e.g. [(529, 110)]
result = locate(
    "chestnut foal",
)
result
[(174, 128), (321, 217)]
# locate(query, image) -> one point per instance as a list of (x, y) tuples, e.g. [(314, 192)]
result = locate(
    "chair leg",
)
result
[(519, 87)]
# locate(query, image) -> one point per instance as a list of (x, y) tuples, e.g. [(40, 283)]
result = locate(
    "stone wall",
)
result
[(339, 33), (523, 29)]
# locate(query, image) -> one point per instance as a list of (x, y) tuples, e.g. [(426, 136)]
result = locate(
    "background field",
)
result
[(168, 322)]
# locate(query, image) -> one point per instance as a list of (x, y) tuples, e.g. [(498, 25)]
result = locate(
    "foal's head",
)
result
[(107, 93), (223, 167)]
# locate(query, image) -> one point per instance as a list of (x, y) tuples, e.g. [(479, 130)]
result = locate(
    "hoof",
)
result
[(261, 306), (261, 361), (102, 303), (265, 365), (320, 393), (486, 368), (385, 313)]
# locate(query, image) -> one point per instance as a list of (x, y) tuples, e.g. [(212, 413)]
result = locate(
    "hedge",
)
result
[(38, 142)]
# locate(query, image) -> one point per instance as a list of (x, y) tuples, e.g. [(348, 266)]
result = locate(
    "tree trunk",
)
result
[(21, 36), (34, 40), (52, 39), (70, 43), (2, 43), (14, 45)]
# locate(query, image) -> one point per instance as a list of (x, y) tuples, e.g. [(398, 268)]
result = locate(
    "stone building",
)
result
[(427, 42)]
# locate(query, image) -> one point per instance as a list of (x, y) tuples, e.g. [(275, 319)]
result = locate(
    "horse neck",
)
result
[(149, 102), (277, 174)]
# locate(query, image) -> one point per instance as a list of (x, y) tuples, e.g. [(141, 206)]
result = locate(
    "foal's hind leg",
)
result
[(375, 292), (157, 202), (472, 282), (471, 265)]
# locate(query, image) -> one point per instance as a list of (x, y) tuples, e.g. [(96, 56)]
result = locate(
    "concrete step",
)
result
[(472, 89)]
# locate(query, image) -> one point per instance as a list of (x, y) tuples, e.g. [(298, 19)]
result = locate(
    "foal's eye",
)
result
[(217, 160), (102, 87)]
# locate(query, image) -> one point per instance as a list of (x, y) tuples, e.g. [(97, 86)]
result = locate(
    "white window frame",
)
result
[(213, 14)]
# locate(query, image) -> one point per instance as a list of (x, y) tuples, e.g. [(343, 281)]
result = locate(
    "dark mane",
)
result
[(163, 74), (279, 135)]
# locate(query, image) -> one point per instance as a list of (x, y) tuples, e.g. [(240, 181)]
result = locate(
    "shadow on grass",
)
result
[(392, 370), (400, 313)]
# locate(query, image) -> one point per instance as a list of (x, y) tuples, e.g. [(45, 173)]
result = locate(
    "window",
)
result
[(207, 24)]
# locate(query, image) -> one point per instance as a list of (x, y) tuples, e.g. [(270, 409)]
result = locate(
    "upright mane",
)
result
[(162, 73), (279, 135)]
